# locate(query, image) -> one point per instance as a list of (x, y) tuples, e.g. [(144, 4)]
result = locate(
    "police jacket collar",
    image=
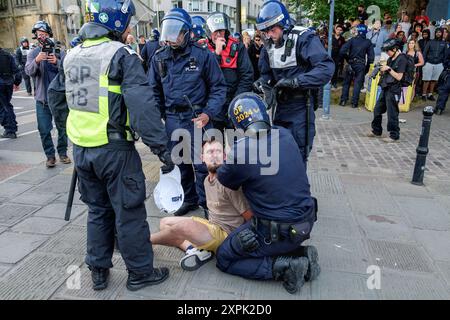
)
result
[(92, 30), (169, 52)]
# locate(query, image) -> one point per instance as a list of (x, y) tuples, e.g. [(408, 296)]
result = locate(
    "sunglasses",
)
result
[(258, 39)]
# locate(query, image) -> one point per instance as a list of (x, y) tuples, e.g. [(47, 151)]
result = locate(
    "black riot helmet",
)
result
[(391, 44), (43, 26), (217, 21)]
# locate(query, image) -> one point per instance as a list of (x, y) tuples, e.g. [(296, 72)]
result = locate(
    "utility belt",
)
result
[(357, 61), (274, 231), (181, 109), (121, 134), (286, 95)]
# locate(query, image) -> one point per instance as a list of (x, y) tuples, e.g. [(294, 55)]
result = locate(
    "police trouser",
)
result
[(7, 115), (444, 91), (358, 74), (193, 171), (232, 259), (292, 116), (112, 184), (27, 80), (388, 101)]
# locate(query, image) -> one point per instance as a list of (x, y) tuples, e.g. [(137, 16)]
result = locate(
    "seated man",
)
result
[(199, 237), (278, 191)]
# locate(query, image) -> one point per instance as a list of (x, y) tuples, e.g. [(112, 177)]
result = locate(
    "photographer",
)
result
[(42, 65), (391, 84)]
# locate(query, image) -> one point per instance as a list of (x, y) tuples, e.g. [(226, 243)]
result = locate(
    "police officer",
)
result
[(282, 206), (150, 49), (109, 99), (293, 60), (184, 74), (10, 78), (21, 60), (198, 29), (233, 59), (359, 53), (444, 84), (391, 85)]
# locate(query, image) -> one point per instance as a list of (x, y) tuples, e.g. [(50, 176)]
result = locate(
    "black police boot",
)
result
[(10, 135), (292, 271), (139, 281), (354, 106), (309, 252), (99, 278), (185, 209)]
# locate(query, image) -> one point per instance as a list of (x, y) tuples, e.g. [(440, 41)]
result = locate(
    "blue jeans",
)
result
[(45, 126), (7, 115)]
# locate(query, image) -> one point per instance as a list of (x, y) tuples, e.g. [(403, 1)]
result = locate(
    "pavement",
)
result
[(378, 236)]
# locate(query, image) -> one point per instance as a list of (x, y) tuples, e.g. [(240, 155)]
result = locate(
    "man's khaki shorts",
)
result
[(217, 233)]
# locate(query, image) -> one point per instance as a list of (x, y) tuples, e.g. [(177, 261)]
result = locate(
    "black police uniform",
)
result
[(444, 84), (356, 50), (21, 60), (389, 99), (279, 202), (9, 75)]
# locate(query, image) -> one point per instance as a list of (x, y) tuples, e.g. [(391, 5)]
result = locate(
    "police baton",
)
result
[(422, 148), (73, 183), (195, 114)]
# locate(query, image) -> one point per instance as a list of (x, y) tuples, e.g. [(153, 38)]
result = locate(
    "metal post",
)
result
[(327, 89), (238, 16), (422, 149)]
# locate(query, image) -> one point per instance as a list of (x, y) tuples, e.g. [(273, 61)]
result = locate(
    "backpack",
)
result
[(410, 73)]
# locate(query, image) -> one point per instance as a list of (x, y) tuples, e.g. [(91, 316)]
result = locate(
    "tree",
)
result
[(413, 7), (319, 10)]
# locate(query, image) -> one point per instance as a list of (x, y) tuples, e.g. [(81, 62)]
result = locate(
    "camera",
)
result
[(376, 70), (49, 46)]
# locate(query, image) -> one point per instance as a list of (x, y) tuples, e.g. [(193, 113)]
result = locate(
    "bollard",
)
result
[(422, 149)]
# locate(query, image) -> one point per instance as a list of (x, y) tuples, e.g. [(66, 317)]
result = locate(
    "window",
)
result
[(22, 3), (218, 7), (210, 6), (177, 4), (225, 9), (196, 5), (3, 4)]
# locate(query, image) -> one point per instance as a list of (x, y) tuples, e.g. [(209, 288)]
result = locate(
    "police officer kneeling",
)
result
[(108, 94), (268, 246)]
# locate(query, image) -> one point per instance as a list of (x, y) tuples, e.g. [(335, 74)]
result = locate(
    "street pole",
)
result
[(238, 16), (327, 89)]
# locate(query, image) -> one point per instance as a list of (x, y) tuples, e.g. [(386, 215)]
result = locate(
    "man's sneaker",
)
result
[(343, 103), (185, 209), (439, 112), (390, 140), (431, 98), (139, 281), (363, 90), (99, 278), (195, 258), (292, 271), (65, 159), (10, 135), (51, 162), (373, 135), (424, 97)]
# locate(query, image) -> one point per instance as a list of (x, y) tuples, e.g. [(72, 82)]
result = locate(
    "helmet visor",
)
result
[(173, 31)]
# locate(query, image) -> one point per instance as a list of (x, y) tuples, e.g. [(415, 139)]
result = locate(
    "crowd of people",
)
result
[(193, 74)]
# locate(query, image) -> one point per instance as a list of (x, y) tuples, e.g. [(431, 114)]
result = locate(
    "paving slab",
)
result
[(35, 176), (339, 254), (404, 187), (336, 227), (425, 214), (333, 285), (333, 205), (36, 278), (402, 286), (33, 198), (438, 187), (117, 280), (40, 225), (4, 269), (389, 228), (15, 246), (272, 290), (57, 211), (444, 268), (9, 189), (399, 256), (58, 184), (436, 243), (325, 183), (71, 241), (172, 288), (10, 214)]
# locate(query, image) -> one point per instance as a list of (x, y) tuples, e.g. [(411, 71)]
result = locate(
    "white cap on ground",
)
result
[(168, 193)]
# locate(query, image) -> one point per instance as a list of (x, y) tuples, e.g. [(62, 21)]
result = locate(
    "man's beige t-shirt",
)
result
[(225, 206)]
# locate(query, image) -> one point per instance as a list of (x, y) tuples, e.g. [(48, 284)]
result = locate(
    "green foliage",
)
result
[(319, 10)]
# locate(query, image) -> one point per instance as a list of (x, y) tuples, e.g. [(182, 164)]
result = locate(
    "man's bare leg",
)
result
[(181, 232)]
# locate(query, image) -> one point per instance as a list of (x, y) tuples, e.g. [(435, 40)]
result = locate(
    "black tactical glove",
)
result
[(258, 85), (366, 71), (164, 157), (248, 240), (287, 83)]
